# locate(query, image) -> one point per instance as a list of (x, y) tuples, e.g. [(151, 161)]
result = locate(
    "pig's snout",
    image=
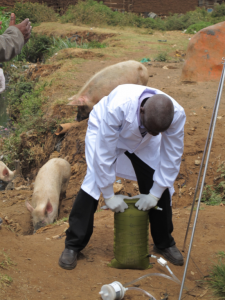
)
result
[(79, 117), (83, 113), (39, 225)]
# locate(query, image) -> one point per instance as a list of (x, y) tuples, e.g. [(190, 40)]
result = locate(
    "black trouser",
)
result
[(82, 215)]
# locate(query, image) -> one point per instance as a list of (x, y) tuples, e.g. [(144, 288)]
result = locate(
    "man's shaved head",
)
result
[(157, 114)]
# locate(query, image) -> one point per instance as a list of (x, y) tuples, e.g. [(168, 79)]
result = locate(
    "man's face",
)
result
[(151, 130)]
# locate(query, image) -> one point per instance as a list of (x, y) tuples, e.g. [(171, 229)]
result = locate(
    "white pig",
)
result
[(51, 182), (6, 174), (102, 83)]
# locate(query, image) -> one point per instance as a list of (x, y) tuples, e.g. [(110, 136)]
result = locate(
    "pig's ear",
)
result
[(29, 207), (5, 172), (48, 208), (81, 101)]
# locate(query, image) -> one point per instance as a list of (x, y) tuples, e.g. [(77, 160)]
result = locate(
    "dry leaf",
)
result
[(203, 294)]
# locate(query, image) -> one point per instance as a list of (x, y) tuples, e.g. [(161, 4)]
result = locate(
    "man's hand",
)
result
[(146, 202), (116, 203), (24, 26)]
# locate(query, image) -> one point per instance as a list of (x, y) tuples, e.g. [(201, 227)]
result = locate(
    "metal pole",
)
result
[(203, 178), (202, 163)]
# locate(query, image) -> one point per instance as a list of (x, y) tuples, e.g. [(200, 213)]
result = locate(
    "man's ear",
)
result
[(142, 110)]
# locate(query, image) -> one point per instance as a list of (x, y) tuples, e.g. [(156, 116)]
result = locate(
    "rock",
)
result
[(204, 54), (22, 187), (10, 186), (197, 162), (55, 237), (117, 187), (54, 154), (152, 15)]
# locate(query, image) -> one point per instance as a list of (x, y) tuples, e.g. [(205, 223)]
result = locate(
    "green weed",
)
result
[(162, 56), (197, 27), (218, 11), (35, 49), (221, 170), (5, 280), (39, 47), (6, 262), (216, 279), (5, 18), (212, 196), (25, 106), (36, 12), (221, 254), (96, 44), (96, 14)]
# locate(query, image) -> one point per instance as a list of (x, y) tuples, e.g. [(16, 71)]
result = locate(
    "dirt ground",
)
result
[(32, 260)]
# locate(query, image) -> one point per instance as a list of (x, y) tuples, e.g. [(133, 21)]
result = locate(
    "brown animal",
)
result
[(102, 83), (51, 182)]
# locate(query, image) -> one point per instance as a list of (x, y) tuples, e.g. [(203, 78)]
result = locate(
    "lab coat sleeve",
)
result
[(105, 150), (171, 150), (2, 81)]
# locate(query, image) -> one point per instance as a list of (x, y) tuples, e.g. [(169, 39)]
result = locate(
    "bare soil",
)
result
[(34, 258)]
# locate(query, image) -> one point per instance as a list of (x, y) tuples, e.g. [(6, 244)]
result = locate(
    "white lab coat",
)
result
[(2, 81), (113, 128)]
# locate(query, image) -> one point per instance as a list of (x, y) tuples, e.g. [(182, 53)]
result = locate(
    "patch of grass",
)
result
[(5, 260), (211, 196), (5, 280), (215, 195), (25, 102), (162, 56), (36, 12), (96, 13), (218, 11), (40, 46), (221, 254), (61, 221), (35, 49), (5, 18), (216, 279), (59, 44), (221, 170), (96, 44), (192, 29)]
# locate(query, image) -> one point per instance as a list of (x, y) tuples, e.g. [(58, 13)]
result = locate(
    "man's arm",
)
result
[(13, 39), (171, 150), (105, 150), (11, 43)]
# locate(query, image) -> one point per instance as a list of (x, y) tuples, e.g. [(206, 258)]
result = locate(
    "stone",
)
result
[(117, 187), (197, 162), (204, 55)]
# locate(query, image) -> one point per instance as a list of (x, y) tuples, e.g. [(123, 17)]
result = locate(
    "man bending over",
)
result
[(136, 133)]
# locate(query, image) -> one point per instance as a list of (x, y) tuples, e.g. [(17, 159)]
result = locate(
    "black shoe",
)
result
[(172, 254), (68, 259)]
